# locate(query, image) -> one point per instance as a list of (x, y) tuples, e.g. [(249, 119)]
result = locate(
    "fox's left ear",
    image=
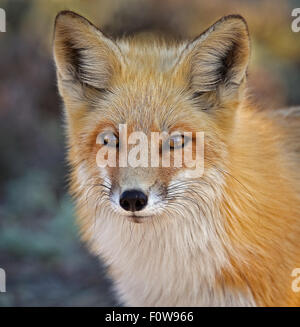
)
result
[(219, 56), (85, 58)]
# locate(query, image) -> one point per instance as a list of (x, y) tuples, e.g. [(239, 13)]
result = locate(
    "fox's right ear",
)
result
[(218, 58), (84, 56)]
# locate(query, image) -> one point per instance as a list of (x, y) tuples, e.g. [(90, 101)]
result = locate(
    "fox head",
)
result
[(149, 85)]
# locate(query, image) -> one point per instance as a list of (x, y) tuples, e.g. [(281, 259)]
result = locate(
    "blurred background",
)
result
[(45, 262)]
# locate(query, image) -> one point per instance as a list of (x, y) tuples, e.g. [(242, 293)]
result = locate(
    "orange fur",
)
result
[(264, 224)]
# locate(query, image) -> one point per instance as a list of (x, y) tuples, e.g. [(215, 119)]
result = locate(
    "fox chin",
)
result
[(228, 237)]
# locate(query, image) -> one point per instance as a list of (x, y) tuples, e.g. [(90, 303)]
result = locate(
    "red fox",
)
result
[(230, 237)]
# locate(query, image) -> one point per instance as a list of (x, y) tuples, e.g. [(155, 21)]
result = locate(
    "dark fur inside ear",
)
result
[(205, 101), (74, 58), (227, 61), (77, 65)]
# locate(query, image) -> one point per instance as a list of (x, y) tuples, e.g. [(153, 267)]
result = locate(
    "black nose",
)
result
[(133, 200)]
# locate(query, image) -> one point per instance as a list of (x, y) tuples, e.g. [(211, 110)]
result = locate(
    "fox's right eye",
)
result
[(108, 139)]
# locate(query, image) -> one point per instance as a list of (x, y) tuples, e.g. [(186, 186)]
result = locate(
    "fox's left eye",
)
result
[(176, 141), (108, 139)]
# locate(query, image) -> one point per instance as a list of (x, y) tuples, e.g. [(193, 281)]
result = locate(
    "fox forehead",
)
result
[(147, 74), (150, 54), (147, 93), (146, 111), (143, 106)]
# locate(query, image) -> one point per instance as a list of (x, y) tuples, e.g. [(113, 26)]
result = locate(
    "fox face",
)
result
[(152, 86)]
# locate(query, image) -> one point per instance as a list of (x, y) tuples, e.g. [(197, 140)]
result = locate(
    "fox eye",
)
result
[(108, 139), (176, 141)]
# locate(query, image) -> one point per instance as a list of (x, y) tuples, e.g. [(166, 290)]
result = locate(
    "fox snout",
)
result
[(137, 192)]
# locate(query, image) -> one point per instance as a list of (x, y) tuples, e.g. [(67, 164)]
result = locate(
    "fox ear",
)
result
[(220, 55), (83, 55)]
